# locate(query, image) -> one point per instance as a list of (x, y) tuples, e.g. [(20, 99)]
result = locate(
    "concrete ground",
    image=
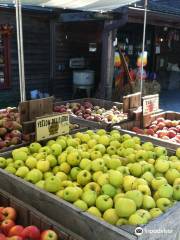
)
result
[(170, 100)]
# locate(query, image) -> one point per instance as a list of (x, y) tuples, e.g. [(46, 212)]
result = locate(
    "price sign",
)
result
[(150, 104), (52, 126)]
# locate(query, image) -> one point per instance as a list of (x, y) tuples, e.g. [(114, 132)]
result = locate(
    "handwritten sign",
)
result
[(150, 104), (52, 126)]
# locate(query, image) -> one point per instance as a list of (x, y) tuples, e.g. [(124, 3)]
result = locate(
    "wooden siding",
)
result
[(36, 30)]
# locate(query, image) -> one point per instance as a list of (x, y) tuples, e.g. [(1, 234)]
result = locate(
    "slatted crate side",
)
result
[(27, 215)]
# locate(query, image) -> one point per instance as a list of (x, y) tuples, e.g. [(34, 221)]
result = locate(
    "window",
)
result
[(5, 63)]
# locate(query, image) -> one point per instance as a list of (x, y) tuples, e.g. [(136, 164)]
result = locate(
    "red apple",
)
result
[(2, 236), (1, 208), (31, 232), (168, 123), (9, 213), (15, 231), (171, 134), (1, 217), (6, 225), (2, 144), (162, 133), (160, 120), (161, 125), (15, 133), (15, 238), (175, 123), (165, 137), (49, 235), (173, 128), (3, 131), (150, 131)]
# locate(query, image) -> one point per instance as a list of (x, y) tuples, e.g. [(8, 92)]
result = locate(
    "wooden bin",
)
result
[(27, 215), (100, 102), (81, 223), (161, 142)]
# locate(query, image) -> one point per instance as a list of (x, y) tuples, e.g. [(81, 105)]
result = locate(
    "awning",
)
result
[(85, 5)]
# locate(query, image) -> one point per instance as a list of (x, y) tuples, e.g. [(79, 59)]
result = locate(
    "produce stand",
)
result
[(81, 223), (28, 215)]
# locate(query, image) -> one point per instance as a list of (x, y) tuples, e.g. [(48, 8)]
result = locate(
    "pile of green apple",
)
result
[(112, 176)]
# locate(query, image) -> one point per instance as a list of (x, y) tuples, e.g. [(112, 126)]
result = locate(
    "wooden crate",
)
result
[(100, 102), (27, 215), (81, 223)]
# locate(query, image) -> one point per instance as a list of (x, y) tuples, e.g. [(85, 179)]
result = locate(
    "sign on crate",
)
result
[(150, 104), (52, 126)]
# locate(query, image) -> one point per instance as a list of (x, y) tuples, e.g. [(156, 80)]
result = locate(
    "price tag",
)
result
[(52, 126), (150, 104)]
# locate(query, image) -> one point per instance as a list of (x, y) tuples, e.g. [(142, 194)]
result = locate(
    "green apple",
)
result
[(40, 184), (50, 143), (52, 160), (115, 143), (137, 182), (43, 165), (101, 132), (113, 163), (90, 132), (176, 192), (111, 216), (34, 176), (47, 174), (19, 155), (52, 184), (56, 169), (85, 137), (96, 175), (124, 170), (66, 183), (2, 162), (156, 195), (163, 204), (10, 169), (85, 154), (85, 164), (18, 164), (160, 151), (24, 149), (72, 143), (148, 168), (115, 178), (157, 182), (60, 193), (131, 158), (74, 172), (103, 179), (64, 167), (144, 189), (40, 155), (125, 207), (100, 147), (128, 182), (95, 155), (142, 155), (62, 157), (109, 190), (136, 169), (176, 165), (161, 165), (158, 174), (104, 202), (176, 181), (122, 221), (111, 150), (115, 137), (83, 177), (171, 175), (34, 147), (144, 213), (136, 196), (148, 146), (93, 186), (9, 160), (165, 191), (114, 131), (148, 202), (22, 172), (173, 158), (81, 205), (151, 155), (129, 143), (70, 194), (178, 153), (74, 158), (89, 197), (62, 143), (148, 176), (119, 195), (97, 164), (104, 139), (46, 150), (92, 143), (137, 219), (155, 212), (94, 211), (31, 162)]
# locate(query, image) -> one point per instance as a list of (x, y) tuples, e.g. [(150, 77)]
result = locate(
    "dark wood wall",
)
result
[(72, 40), (36, 30)]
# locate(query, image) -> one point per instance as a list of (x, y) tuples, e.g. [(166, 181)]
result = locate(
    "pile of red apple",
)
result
[(162, 128), (88, 111), (10, 128), (10, 231)]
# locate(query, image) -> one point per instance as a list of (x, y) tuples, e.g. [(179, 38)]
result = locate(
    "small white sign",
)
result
[(150, 104)]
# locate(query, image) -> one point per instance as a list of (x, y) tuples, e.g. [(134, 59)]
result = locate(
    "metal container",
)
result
[(83, 78)]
